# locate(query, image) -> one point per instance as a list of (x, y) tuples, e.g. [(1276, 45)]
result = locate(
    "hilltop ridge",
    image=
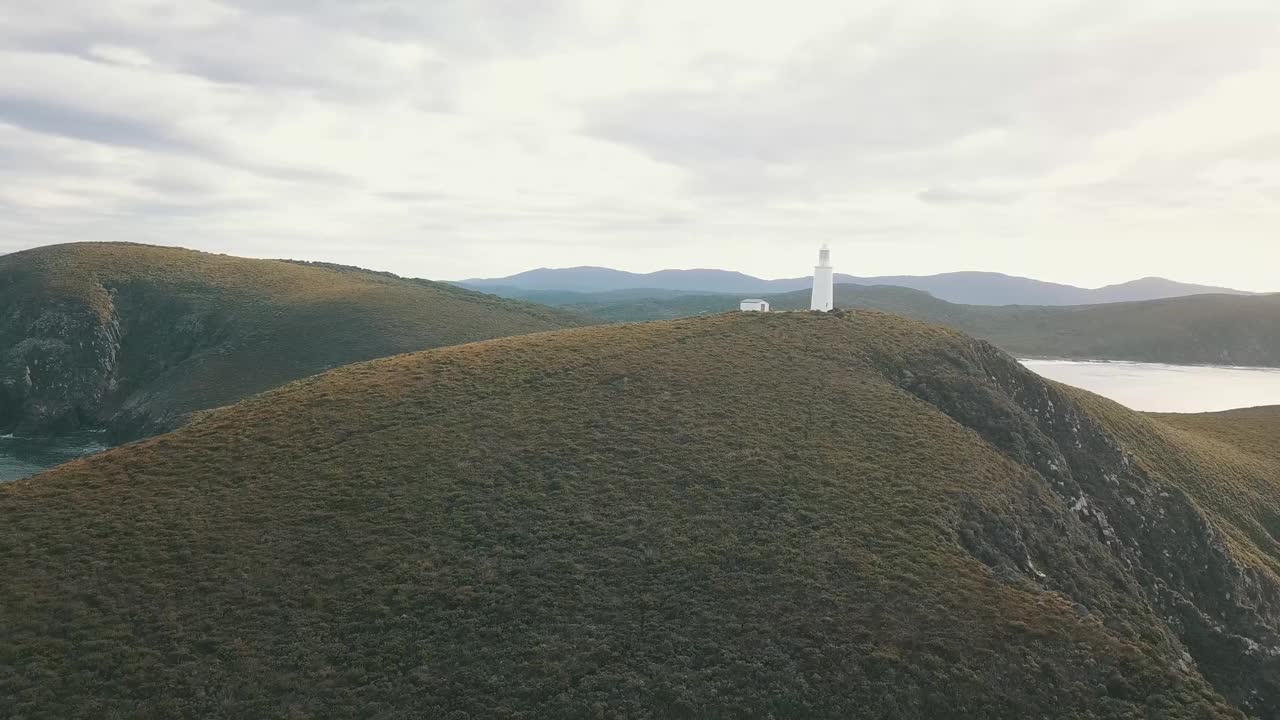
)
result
[(794, 514), (1193, 330)]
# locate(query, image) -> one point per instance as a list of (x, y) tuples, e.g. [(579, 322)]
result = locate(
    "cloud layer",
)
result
[(1079, 142)]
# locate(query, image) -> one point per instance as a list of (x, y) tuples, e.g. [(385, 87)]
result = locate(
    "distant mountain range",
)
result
[(973, 288)]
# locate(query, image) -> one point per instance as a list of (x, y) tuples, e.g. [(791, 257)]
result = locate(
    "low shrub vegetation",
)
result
[(790, 515)]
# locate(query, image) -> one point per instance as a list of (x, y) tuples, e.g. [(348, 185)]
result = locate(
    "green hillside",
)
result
[(1204, 329), (561, 298), (134, 337), (1252, 430), (788, 515)]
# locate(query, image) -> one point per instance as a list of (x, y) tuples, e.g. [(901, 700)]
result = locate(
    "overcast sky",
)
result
[(1081, 142)]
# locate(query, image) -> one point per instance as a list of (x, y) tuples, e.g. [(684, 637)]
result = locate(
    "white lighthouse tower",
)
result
[(824, 294)]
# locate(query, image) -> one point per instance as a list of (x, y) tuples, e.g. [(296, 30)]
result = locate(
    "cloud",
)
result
[(43, 116), (460, 138), (861, 108), (942, 195), (119, 55), (460, 27)]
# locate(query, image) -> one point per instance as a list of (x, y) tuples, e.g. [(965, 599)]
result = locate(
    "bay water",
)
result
[(20, 457), (1153, 387)]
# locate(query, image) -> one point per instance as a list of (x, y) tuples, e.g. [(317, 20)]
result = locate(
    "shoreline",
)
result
[(1154, 363)]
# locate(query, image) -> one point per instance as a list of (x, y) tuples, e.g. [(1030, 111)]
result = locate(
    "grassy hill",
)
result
[(785, 515), (135, 337), (1252, 430), (561, 298), (1203, 329)]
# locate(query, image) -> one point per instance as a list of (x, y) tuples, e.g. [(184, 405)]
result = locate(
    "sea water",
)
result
[(1154, 387), (20, 457)]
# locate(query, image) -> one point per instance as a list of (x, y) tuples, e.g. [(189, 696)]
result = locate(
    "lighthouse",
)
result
[(823, 282)]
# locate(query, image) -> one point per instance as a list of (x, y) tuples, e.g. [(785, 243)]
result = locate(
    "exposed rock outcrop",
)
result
[(72, 365), (1223, 613), (57, 367)]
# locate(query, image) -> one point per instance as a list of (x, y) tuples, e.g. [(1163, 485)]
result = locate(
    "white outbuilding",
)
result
[(753, 305)]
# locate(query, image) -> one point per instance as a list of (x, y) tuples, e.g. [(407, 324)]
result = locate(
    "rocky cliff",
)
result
[(1135, 494)]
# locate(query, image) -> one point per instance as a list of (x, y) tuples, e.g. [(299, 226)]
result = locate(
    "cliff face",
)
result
[(135, 338), (58, 364), (1146, 499), (74, 364)]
